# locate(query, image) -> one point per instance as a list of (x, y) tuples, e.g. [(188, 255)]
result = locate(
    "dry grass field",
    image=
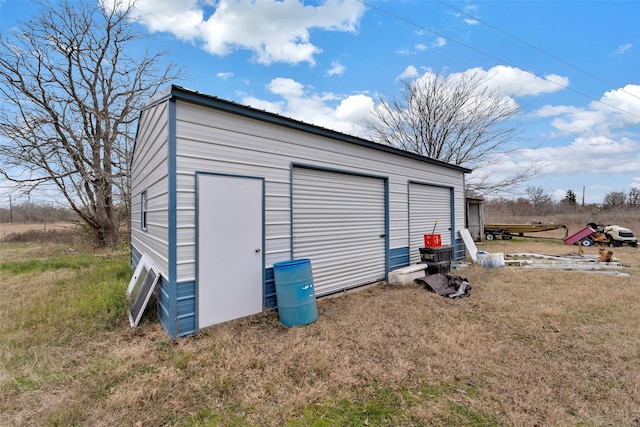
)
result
[(526, 348), (7, 229)]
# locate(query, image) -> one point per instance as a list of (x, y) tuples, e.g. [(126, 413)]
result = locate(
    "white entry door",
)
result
[(230, 253)]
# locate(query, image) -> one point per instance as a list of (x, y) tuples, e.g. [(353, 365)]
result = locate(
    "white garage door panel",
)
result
[(339, 223), (428, 203)]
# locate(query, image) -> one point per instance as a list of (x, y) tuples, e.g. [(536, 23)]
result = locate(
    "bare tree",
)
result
[(459, 120), (72, 90), (634, 197), (615, 199), (539, 198)]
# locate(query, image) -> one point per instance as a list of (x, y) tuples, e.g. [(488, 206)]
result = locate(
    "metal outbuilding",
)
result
[(475, 218), (221, 192)]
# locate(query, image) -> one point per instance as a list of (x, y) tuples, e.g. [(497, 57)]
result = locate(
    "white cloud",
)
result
[(440, 42), (224, 76), (596, 147), (420, 47), (512, 81), (405, 52), (410, 72), (261, 104), (182, 18), (579, 121), (624, 102), (617, 109), (347, 114), (287, 88), (586, 155), (275, 30), (504, 84), (355, 109), (623, 48), (471, 21), (556, 110), (604, 141), (337, 69), (582, 162)]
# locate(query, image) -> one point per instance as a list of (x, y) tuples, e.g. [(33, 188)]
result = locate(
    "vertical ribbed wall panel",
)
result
[(428, 203), (339, 223)]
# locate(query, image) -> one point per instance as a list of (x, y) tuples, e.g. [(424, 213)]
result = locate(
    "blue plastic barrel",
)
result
[(295, 293)]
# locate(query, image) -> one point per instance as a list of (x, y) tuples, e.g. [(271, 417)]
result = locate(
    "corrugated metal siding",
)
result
[(163, 306), (209, 140), (186, 323), (149, 172), (270, 300), (339, 223), (428, 203), (398, 258)]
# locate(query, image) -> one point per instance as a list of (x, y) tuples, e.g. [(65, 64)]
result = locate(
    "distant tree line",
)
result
[(538, 202), (621, 199), (29, 212)]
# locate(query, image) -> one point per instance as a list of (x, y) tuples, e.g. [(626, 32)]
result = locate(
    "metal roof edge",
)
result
[(158, 97), (189, 95)]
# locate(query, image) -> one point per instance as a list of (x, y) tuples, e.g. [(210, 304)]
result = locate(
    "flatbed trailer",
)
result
[(507, 231)]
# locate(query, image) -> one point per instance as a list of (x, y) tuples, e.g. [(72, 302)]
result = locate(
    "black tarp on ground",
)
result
[(445, 285)]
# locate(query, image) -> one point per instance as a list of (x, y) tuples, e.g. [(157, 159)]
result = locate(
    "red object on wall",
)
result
[(432, 241)]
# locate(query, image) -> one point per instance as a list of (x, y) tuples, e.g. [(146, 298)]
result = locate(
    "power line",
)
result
[(422, 27), (524, 42)]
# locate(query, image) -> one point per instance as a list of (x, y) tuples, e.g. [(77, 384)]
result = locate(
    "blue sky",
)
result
[(571, 66)]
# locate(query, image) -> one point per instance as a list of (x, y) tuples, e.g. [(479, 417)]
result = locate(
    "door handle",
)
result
[(382, 236), (258, 250)]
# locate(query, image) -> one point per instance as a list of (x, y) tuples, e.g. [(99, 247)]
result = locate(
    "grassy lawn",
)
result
[(527, 348)]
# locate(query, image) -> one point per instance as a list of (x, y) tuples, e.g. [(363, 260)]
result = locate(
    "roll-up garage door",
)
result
[(339, 223), (428, 203)]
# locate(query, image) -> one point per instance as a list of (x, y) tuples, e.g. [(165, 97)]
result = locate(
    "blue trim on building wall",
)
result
[(459, 250), (398, 258), (270, 300), (186, 317), (184, 320), (387, 252), (171, 322), (163, 304), (452, 198), (291, 168)]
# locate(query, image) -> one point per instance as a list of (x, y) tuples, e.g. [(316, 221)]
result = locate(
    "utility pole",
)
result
[(583, 187), (10, 211)]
